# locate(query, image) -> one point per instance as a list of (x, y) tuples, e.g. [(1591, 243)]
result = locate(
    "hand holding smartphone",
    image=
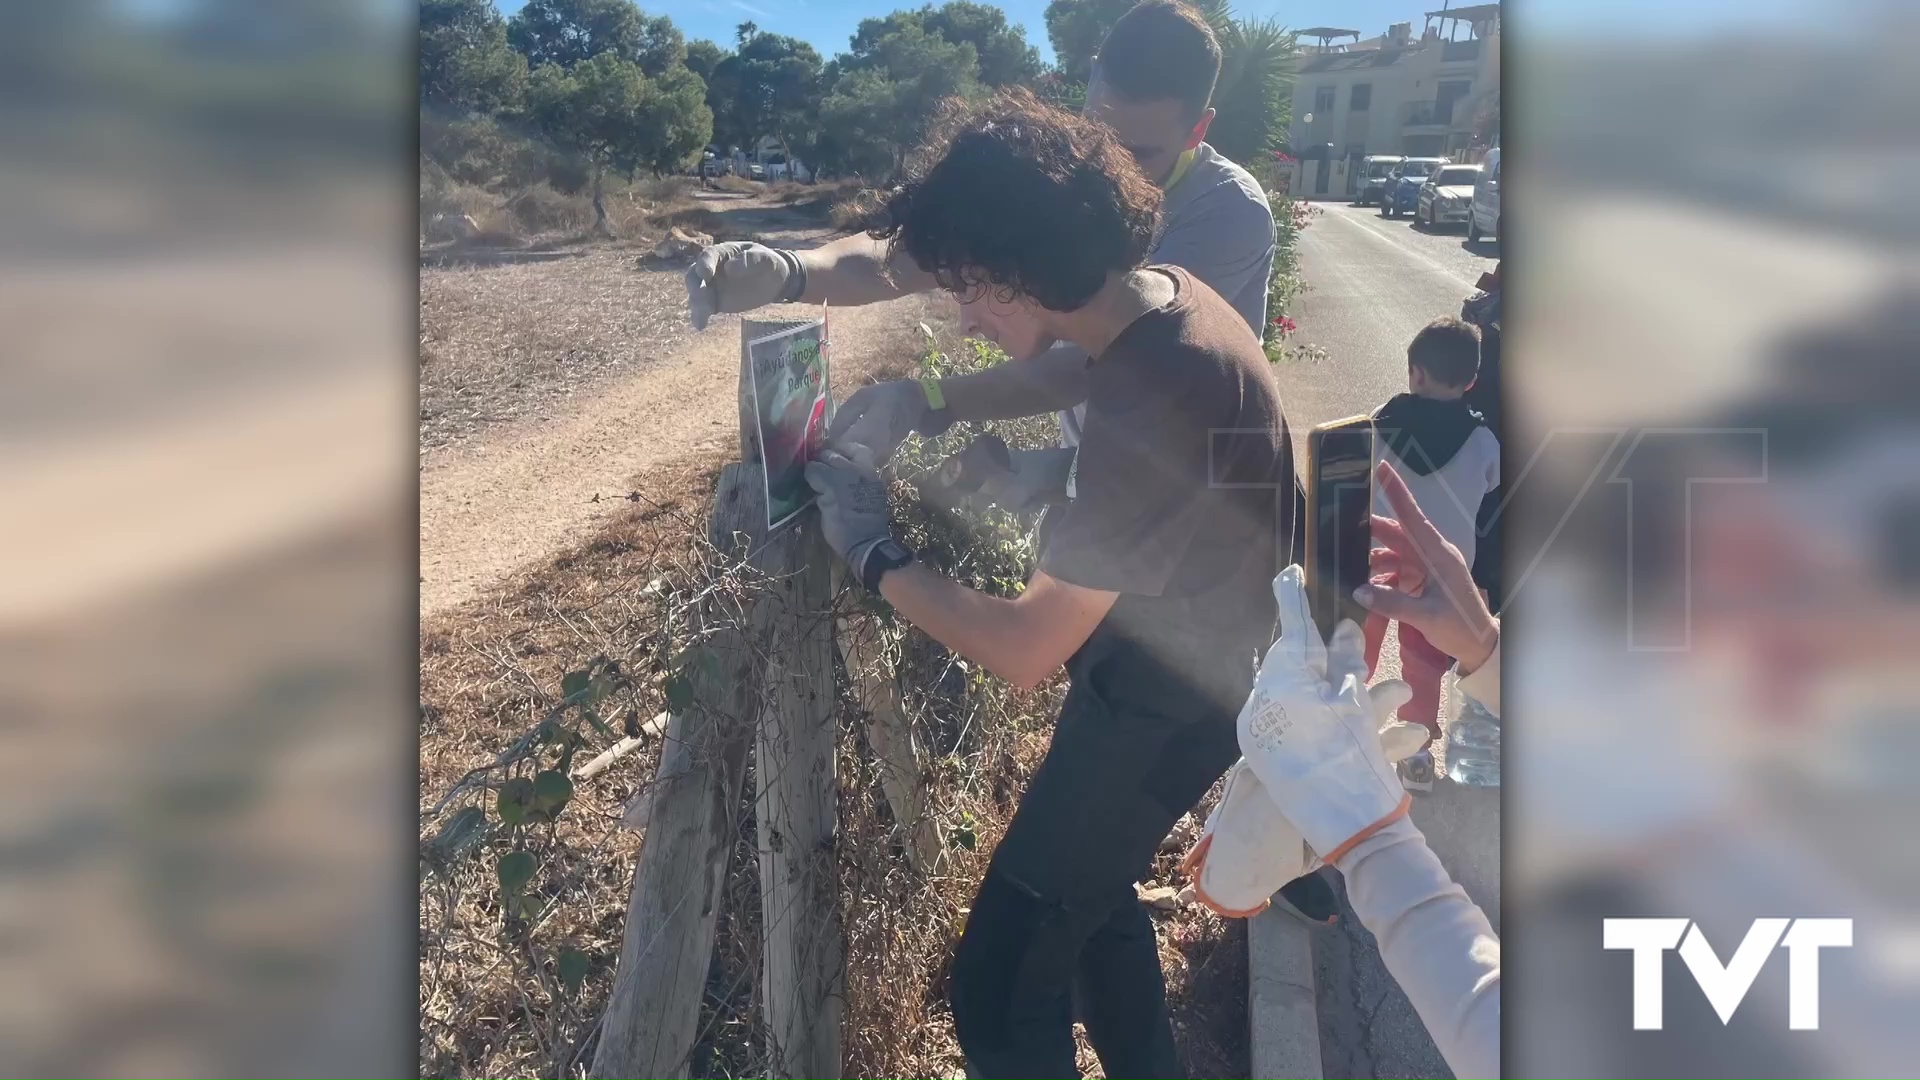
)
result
[(1339, 519)]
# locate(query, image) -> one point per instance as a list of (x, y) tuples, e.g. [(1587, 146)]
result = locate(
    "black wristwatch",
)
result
[(888, 554)]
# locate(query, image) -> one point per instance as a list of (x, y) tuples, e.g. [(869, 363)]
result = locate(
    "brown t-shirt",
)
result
[(1182, 503)]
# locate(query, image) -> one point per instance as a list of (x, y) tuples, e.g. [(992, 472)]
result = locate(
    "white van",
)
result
[(1484, 218)]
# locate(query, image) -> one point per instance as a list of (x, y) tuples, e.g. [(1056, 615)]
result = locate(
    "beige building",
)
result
[(1394, 94)]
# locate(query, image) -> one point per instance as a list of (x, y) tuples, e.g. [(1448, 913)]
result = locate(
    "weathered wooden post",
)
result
[(890, 734), (649, 1026), (803, 962), (767, 683)]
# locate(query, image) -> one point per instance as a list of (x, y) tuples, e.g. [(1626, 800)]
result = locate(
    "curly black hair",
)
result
[(1013, 194)]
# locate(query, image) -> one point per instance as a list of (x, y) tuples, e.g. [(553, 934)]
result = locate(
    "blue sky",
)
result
[(829, 23)]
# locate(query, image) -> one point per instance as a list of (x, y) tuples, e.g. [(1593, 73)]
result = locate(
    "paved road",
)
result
[(1374, 282)]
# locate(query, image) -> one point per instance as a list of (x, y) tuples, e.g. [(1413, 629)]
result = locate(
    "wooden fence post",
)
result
[(890, 734), (770, 685), (803, 959), (649, 1026)]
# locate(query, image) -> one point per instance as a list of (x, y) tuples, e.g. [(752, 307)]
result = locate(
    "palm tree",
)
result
[(1254, 97), (1218, 13)]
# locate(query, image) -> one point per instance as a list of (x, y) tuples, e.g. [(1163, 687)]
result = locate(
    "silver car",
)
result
[(1447, 196), (1376, 178)]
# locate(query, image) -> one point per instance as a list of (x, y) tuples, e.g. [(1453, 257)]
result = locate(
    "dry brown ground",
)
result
[(526, 575), (492, 1006), (578, 379), (517, 333)]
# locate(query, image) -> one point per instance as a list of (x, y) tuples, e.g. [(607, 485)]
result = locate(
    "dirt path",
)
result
[(510, 496)]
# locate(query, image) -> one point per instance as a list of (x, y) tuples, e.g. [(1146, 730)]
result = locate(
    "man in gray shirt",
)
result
[(1152, 84)]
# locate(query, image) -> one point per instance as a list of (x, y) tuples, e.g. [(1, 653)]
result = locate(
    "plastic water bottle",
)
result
[(1473, 746)]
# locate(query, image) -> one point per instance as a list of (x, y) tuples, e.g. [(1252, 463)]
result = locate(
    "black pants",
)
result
[(1058, 907)]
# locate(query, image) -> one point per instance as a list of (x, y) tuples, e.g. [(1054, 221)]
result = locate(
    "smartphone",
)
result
[(1339, 519)]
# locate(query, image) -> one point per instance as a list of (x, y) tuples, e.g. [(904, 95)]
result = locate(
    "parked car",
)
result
[(1373, 177), (713, 165), (756, 171), (1485, 217), (1403, 184), (1447, 196), (779, 168)]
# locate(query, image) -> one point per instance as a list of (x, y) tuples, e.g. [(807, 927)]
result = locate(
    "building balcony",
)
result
[(1458, 51), (1429, 114)]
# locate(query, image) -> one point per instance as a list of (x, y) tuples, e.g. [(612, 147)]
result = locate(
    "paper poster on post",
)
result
[(792, 406)]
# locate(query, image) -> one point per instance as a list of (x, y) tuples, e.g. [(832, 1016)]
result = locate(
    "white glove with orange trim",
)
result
[(1318, 773)]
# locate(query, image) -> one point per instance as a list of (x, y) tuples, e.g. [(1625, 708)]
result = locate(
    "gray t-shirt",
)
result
[(1216, 225)]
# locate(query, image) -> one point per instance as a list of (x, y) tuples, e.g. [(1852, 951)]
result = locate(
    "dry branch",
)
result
[(890, 735), (652, 729), (677, 888)]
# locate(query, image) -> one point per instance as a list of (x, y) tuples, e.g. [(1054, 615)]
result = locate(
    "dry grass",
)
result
[(815, 197), (738, 185), (664, 190), (514, 334), (491, 1002), (487, 209), (847, 212), (512, 329), (542, 213), (788, 192), (720, 226)]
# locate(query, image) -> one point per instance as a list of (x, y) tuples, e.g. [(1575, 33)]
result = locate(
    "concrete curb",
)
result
[(1462, 826), (1282, 1001)]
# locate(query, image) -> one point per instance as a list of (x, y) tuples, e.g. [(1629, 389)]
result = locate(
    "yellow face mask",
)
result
[(1180, 167)]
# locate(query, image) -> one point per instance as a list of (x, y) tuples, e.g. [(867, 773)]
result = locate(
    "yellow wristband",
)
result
[(935, 399)]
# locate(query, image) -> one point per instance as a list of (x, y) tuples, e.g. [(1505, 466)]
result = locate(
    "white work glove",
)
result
[(853, 502), (880, 416), (1039, 478), (1249, 848), (1311, 730), (1246, 851), (738, 276)]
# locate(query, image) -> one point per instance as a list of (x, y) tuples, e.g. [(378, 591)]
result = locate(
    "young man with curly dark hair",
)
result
[(1152, 590), (1152, 83)]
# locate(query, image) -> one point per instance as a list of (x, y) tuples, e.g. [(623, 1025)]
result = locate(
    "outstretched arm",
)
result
[(1434, 941), (880, 416), (739, 276), (1050, 382), (855, 270)]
